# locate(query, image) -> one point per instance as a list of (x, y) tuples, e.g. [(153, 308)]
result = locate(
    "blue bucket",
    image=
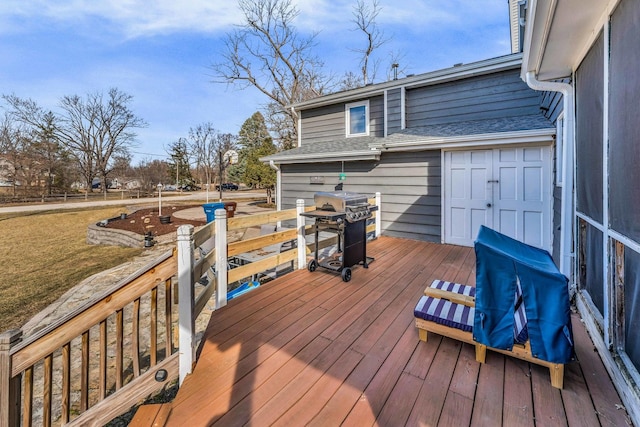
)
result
[(210, 210)]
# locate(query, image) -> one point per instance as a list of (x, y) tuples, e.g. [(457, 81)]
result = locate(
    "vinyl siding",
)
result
[(323, 124), (551, 105), (394, 111), (408, 182), (496, 95), (328, 123)]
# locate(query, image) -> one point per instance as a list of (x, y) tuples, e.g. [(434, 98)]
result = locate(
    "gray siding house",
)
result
[(448, 151), (584, 56)]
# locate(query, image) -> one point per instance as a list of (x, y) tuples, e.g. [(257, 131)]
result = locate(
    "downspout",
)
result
[(278, 184), (566, 211)]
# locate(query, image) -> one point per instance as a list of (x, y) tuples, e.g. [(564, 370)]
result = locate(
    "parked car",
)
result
[(189, 187), (229, 186)]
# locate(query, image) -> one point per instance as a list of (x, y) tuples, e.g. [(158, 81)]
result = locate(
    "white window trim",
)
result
[(559, 148), (347, 109)]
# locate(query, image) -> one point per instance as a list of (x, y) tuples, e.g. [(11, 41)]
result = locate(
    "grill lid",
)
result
[(338, 200)]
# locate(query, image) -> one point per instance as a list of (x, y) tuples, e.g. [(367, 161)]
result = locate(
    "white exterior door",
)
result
[(507, 189)]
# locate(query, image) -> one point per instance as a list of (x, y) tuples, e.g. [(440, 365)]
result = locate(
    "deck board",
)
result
[(310, 349), (518, 400), (489, 400), (458, 404)]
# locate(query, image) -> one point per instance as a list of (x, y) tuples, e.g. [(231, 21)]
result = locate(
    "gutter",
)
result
[(278, 184), (370, 154), (568, 149), (472, 140)]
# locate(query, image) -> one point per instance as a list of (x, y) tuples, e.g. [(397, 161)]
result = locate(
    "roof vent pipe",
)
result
[(568, 149), (395, 66)]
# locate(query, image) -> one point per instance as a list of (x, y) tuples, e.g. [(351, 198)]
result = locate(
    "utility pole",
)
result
[(221, 166)]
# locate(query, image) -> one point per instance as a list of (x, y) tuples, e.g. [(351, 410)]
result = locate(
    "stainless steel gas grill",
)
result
[(344, 213)]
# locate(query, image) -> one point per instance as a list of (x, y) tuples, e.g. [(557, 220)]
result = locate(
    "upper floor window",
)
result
[(357, 118)]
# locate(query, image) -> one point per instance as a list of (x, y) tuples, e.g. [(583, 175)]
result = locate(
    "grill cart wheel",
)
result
[(313, 264), (346, 274)]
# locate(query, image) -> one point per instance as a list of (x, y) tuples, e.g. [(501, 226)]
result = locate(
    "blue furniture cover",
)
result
[(500, 262)]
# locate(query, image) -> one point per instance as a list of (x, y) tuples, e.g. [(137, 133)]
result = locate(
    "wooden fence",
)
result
[(93, 363), (96, 362)]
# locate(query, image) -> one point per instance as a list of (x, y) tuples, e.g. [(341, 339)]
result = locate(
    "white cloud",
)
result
[(135, 18), (132, 17)]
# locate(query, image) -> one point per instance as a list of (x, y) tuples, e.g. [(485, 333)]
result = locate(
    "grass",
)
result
[(44, 254)]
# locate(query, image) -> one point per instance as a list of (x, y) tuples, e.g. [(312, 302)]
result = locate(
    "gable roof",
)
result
[(530, 128), (457, 72)]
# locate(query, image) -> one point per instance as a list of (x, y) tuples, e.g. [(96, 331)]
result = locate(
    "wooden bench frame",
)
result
[(523, 352)]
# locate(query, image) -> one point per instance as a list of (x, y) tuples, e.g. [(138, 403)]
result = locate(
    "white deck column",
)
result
[(186, 322), (302, 241), (378, 214), (221, 258)]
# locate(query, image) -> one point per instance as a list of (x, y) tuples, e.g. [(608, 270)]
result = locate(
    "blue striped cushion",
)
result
[(445, 312), (520, 331)]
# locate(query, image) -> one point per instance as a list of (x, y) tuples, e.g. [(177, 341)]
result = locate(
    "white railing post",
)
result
[(221, 258), (186, 302), (378, 214), (302, 242), (10, 388)]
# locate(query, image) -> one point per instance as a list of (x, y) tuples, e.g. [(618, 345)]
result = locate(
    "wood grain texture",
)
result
[(309, 349)]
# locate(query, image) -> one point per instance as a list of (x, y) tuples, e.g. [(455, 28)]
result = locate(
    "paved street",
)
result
[(198, 195)]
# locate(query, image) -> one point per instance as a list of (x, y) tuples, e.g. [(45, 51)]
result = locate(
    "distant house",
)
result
[(449, 150), (6, 173), (586, 54)]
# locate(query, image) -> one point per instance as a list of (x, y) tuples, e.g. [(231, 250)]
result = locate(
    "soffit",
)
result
[(558, 34)]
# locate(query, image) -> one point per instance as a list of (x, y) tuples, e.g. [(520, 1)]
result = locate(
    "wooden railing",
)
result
[(214, 259), (96, 362)]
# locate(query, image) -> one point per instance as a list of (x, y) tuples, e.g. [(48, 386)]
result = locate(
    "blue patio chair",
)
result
[(519, 306)]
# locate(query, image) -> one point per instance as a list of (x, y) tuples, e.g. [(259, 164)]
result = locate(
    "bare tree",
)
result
[(96, 129), (365, 16), (12, 143), (151, 172), (93, 130), (207, 145), (268, 53), (365, 19)]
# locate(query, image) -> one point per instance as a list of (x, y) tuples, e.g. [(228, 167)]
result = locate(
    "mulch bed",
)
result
[(147, 220)]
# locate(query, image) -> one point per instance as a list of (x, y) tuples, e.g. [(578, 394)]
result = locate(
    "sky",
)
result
[(161, 52)]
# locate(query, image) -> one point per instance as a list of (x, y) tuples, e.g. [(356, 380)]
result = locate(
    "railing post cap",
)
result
[(300, 202), (185, 230), (9, 338), (221, 214)]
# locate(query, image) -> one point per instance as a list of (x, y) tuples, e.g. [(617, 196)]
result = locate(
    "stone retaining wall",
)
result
[(97, 235)]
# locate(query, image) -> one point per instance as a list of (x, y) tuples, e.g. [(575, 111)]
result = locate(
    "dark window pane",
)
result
[(589, 102), (632, 305), (624, 125), (593, 278)]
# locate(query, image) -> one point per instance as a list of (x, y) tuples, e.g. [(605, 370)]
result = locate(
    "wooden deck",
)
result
[(309, 349)]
